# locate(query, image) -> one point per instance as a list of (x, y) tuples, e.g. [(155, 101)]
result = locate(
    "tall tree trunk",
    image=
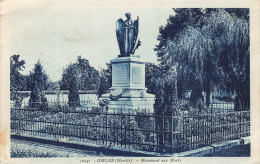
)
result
[(208, 92), (196, 97), (180, 87), (242, 98)]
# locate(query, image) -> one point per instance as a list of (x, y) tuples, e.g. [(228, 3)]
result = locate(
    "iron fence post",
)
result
[(172, 133), (121, 129), (106, 125)]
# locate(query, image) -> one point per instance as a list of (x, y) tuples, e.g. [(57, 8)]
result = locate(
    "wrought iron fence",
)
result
[(138, 130)]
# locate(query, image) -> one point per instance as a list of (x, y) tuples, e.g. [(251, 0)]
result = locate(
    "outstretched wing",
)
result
[(136, 31), (120, 35)]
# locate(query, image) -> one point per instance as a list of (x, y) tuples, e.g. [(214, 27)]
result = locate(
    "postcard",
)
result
[(130, 81)]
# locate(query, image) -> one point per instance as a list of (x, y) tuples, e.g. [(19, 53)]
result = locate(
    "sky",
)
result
[(56, 35)]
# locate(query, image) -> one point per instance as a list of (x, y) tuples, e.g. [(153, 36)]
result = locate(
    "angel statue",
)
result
[(127, 35)]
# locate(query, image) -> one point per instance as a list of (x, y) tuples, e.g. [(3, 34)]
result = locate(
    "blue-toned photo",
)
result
[(165, 82)]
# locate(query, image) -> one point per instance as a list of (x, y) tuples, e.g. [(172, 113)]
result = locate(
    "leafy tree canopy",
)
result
[(37, 83), (88, 76), (17, 80), (105, 79), (208, 47)]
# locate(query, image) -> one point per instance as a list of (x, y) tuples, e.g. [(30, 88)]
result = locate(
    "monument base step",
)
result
[(128, 92)]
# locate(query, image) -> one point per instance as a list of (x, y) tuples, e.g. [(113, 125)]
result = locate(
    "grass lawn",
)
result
[(237, 151)]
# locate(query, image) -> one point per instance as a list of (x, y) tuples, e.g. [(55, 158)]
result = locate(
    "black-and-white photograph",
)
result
[(129, 82)]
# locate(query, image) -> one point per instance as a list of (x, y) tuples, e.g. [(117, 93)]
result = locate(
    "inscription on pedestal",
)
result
[(120, 73), (137, 75)]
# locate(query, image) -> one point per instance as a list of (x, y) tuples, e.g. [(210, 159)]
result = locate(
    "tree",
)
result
[(231, 46), (189, 56), (88, 76), (105, 79), (176, 23), (184, 17), (70, 78), (161, 82), (37, 84), (181, 31), (17, 80), (209, 50)]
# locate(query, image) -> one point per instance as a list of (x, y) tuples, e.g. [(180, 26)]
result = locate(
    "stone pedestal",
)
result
[(128, 86)]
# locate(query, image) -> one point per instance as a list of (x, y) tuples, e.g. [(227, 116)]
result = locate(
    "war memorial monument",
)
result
[(128, 89)]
